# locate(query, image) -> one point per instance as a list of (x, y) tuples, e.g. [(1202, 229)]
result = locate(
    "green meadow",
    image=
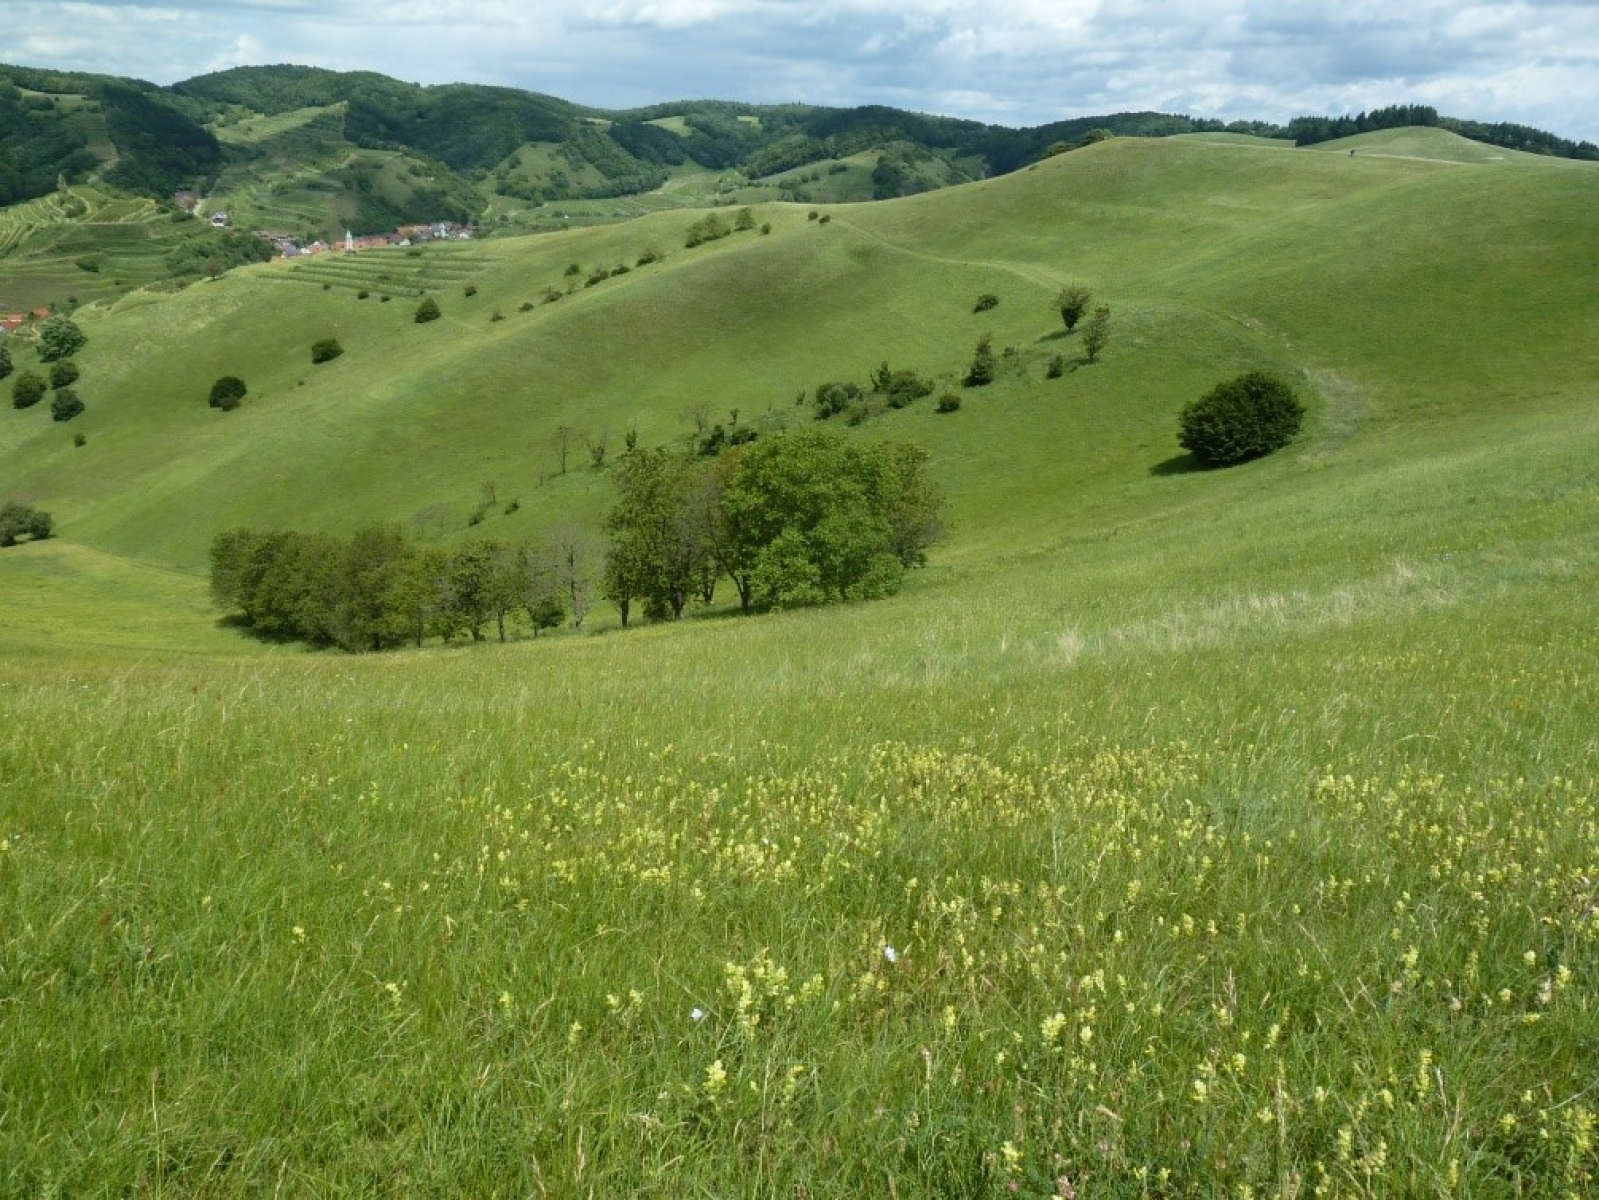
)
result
[(1175, 833)]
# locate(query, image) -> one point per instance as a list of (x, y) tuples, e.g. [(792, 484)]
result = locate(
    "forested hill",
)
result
[(152, 140), (264, 138)]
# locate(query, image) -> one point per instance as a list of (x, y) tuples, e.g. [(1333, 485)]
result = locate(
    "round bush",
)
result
[(1241, 419), (65, 405), (228, 393), (427, 311), (28, 390), (63, 373), (326, 350)]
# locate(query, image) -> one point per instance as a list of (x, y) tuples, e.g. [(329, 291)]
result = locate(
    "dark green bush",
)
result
[(28, 390), (1056, 368), (228, 393), (985, 302), (65, 405), (326, 350), (947, 403), (983, 369), (833, 398), (427, 311), (1241, 419), (63, 373), (5, 362)]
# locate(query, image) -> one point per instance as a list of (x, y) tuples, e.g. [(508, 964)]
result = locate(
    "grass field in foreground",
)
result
[(1173, 835)]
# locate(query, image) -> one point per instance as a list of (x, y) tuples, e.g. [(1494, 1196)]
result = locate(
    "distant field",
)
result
[(1174, 834)]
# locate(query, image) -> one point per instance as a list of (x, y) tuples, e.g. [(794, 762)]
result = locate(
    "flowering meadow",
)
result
[(1147, 912)]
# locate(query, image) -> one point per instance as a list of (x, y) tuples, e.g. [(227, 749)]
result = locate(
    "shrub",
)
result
[(65, 405), (766, 227), (228, 393), (427, 311), (981, 372), (947, 403), (1243, 418), (326, 350), (900, 388), (469, 290), (5, 362), (526, 306), (985, 302), (573, 269), (28, 390), (1056, 368), (1096, 333), (745, 220), (362, 294), (824, 218), (1072, 301), (64, 373), (496, 316), (79, 440), (833, 398), (708, 228)]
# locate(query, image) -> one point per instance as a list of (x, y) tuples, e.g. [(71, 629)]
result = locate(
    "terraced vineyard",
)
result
[(395, 271)]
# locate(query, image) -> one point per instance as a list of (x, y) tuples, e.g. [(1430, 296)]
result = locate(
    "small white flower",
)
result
[(891, 954), (696, 1014)]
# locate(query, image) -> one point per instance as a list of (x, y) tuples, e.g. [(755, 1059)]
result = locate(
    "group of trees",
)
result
[(18, 521), (802, 517), (377, 589), (59, 338)]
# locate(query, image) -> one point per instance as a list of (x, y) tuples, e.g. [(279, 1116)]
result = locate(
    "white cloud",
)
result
[(1026, 62)]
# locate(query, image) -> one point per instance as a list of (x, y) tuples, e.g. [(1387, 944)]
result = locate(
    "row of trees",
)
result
[(802, 517), (377, 590)]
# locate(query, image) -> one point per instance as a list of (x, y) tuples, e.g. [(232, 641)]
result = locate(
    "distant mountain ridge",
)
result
[(314, 151), (155, 140)]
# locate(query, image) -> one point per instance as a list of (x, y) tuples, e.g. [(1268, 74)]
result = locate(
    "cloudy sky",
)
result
[(1018, 63)]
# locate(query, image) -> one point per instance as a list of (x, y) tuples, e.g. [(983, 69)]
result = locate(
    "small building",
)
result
[(219, 220)]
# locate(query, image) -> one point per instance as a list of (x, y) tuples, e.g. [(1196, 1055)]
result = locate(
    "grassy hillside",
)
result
[(1175, 834)]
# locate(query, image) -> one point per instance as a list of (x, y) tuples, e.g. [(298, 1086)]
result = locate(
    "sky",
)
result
[(1024, 62)]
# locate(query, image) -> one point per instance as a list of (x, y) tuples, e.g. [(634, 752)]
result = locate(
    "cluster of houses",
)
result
[(288, 246), (10, 322)]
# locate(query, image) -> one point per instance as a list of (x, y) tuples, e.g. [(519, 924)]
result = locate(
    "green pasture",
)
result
[(1173, 834)]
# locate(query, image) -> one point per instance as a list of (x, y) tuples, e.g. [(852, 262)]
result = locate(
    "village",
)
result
[(287, 245)]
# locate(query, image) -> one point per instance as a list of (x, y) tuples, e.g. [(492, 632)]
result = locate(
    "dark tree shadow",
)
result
[(1059, 335), (1180, 464)]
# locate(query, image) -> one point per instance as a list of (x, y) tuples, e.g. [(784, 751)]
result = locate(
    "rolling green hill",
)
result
[(1214, 257), (1176, 833)]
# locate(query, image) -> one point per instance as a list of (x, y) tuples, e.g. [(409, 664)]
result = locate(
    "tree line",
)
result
[(1307, 131), (803, 517), (377, 590)]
